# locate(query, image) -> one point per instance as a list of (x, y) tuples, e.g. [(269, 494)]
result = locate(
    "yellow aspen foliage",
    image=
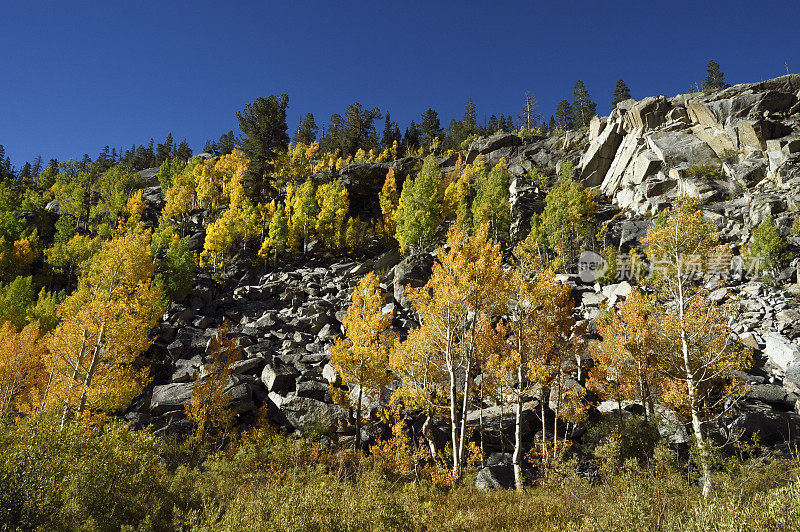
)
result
[(538, 330), (696, 353), (275, 242), (104, 328), (209, 178), (334, 202), (304, 209), (353, 233), (135, 209), (181, 199), (21, 371), (389, 199), (362, 358), (467, 280), (627, 360), (456, 201), (209, 406)]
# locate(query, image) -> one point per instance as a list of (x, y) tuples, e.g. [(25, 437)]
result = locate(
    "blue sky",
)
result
[(79, 75)]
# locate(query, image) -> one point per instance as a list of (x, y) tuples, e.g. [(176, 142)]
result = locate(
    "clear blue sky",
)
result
[(79, 75)]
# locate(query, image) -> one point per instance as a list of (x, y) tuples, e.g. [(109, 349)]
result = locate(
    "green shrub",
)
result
[(705, 171)]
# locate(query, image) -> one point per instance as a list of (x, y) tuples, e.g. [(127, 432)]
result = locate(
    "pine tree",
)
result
[(582, 105), (164, 151), (183, 152), (391, 133), (621, 93), (306, 130), (715, 78), (411, 139), (359, 129), (430, 128), (420, 206), (263, 123), (362, 358), (564, 118)]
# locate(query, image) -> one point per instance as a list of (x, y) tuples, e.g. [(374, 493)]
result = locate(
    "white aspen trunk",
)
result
[(517, 457), (92, 368), (72, 380)]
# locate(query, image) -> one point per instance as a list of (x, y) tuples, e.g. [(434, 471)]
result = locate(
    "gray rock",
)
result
[(304, 413), (170, 397), (781, 351), (278, 378), (414, 271)]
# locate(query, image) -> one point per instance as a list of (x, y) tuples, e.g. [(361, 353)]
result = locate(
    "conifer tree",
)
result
[(391, 133), (582, 105), (529, 116), (263, 123), (306, 130), (362, 358), (564, 118), (430, 128), (420, 206), (621, 93), (715, 78)]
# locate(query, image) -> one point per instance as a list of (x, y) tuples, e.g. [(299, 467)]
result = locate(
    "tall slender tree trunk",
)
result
[(454, 423), (357, 444), (73, 378), (517, 457), (464, 406), (92, 368)]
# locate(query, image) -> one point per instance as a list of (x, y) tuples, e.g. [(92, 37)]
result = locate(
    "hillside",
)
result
[(206, 262)]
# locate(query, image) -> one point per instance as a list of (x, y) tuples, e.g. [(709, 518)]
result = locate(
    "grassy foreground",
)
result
[(103, 476)]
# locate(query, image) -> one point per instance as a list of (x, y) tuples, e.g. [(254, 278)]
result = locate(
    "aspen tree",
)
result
[(362, 358), (627, 361), (389, 199), (697, 353), (439, 358), (539, 326), (333, 202), (105, 326), (209, 406)]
